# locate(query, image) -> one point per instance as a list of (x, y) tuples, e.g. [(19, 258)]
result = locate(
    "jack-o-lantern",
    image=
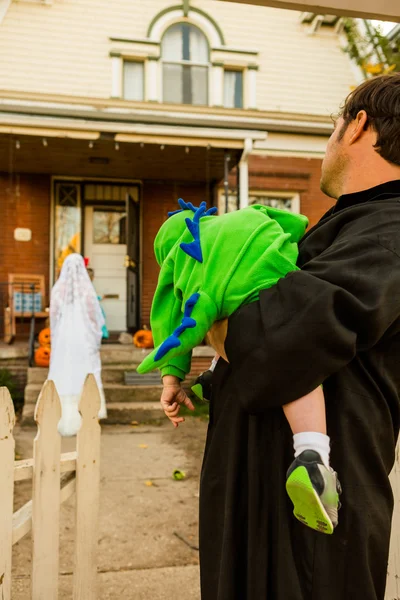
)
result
[(143, 339), (45, 337), (42, 356)]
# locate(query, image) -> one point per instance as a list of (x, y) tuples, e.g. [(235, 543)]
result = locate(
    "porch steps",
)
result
[(118, 413), (114, 392), (109, 374), (129, 398)]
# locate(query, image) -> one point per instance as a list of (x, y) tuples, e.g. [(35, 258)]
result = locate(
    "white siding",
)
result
[(64, 48)]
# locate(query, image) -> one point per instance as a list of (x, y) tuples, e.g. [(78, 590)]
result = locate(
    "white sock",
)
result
[(311, 440)]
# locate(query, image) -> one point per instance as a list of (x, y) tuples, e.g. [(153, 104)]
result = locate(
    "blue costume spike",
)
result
[(173, 341)]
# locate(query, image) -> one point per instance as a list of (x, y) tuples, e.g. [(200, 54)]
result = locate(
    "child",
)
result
[(76, 329), (104, 330), (210, 266)]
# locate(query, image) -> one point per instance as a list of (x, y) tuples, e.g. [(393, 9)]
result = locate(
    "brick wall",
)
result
[(29, 206), (24, 202), (158, 199), (300, 175)]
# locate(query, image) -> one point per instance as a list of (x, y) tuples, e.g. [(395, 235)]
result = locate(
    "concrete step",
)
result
[(114, 392), (109, 374), (118, 413), (121, 354)]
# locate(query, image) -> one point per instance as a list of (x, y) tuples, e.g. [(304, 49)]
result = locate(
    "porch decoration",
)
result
[(42, 356), (143, 339), (45, 337)]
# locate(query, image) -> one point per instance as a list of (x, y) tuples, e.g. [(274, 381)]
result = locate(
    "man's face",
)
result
[(335, 161)]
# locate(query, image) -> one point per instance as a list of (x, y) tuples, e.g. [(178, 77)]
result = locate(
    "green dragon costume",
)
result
[(210, 266)]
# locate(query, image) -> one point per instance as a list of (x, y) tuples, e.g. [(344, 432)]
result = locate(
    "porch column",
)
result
[(152, 79), (217, 84), (251, 96), (116, 76), (244, 173)]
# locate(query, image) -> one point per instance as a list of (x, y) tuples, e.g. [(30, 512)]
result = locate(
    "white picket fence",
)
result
[(55, 477)]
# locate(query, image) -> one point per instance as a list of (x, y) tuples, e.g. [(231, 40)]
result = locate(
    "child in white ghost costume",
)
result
[(76, 323)]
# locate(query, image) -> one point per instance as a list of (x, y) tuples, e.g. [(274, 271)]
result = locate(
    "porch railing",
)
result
[(20, 301)]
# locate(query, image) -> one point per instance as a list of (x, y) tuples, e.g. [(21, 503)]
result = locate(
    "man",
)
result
[(336, 322)]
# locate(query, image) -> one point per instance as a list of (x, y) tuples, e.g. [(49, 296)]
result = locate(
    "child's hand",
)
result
[(171, 399)]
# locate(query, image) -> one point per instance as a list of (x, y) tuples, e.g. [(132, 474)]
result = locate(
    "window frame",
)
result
[(279, 194), (186, 63)]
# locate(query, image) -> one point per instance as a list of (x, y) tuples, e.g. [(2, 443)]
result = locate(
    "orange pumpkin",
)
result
[(42, 356), (45, 337), (143, 339)]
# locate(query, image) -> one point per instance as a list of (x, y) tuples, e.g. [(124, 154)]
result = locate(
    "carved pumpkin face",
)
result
[(143, 339), (45, 337), (42, 356)]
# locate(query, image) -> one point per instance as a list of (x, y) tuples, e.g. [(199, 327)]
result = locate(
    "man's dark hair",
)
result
[(380, 98)]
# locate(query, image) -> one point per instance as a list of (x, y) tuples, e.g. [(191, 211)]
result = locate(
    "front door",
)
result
[(107, 214), (105, 246)]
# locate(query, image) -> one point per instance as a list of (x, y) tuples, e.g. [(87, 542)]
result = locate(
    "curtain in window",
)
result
[(172, 44), (229, 89), (133, 80), (198, 46), (173, 83)]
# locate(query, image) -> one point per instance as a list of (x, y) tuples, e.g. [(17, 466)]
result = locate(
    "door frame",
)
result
[(87, 180)]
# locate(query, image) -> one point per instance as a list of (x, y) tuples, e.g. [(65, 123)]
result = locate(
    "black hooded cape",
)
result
[(336, 322)]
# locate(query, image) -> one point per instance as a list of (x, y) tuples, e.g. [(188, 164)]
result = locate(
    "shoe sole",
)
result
[(308, 507)]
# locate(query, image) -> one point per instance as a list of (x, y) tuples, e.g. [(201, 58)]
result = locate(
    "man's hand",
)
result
[(171, 399), (216, 337)]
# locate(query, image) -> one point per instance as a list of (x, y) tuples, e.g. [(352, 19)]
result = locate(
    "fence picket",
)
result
[(7, 447), (46, 496), (87, 494)]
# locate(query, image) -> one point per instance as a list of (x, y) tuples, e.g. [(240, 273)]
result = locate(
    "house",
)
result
[(111, 111)]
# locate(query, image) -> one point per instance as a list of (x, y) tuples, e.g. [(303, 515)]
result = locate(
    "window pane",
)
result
[(199, 85), (185, 42), (198, 46), (67, 223), (233, 89), (173, 83), (172, 44), (133, 80), (109, 227)]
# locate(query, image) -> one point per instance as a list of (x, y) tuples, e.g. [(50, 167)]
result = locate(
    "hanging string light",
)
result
[(44, 142)]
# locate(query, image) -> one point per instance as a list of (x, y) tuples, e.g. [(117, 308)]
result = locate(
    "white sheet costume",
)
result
[(76, 322)]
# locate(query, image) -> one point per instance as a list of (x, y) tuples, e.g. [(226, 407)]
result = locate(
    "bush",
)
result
[(7, 380)]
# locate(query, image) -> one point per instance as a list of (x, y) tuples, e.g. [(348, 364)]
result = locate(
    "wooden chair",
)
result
[(26, 298)]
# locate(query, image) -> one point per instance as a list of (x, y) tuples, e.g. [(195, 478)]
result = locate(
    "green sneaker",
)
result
[(314, 490)]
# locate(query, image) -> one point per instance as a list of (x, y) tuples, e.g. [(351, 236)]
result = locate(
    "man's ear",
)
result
[(358, 127)]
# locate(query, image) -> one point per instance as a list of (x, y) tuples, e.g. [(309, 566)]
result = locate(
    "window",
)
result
[(67, 222), (233, 89), (185, 56), (109, 226), (283, 200), (133, 80)]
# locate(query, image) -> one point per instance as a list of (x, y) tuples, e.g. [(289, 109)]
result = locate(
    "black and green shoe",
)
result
[(314, 490), (202, 386)]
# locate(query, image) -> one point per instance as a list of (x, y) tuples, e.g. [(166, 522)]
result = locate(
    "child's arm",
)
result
[(166, 316)]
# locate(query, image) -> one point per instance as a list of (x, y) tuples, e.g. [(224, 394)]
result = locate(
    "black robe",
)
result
[(336, 321)]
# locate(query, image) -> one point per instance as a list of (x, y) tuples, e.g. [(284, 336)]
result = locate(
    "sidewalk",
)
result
[(145, 531)]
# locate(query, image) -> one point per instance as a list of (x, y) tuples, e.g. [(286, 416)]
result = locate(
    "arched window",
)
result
[(185, 57)]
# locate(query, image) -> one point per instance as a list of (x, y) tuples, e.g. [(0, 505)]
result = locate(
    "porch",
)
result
[(105, 194)]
